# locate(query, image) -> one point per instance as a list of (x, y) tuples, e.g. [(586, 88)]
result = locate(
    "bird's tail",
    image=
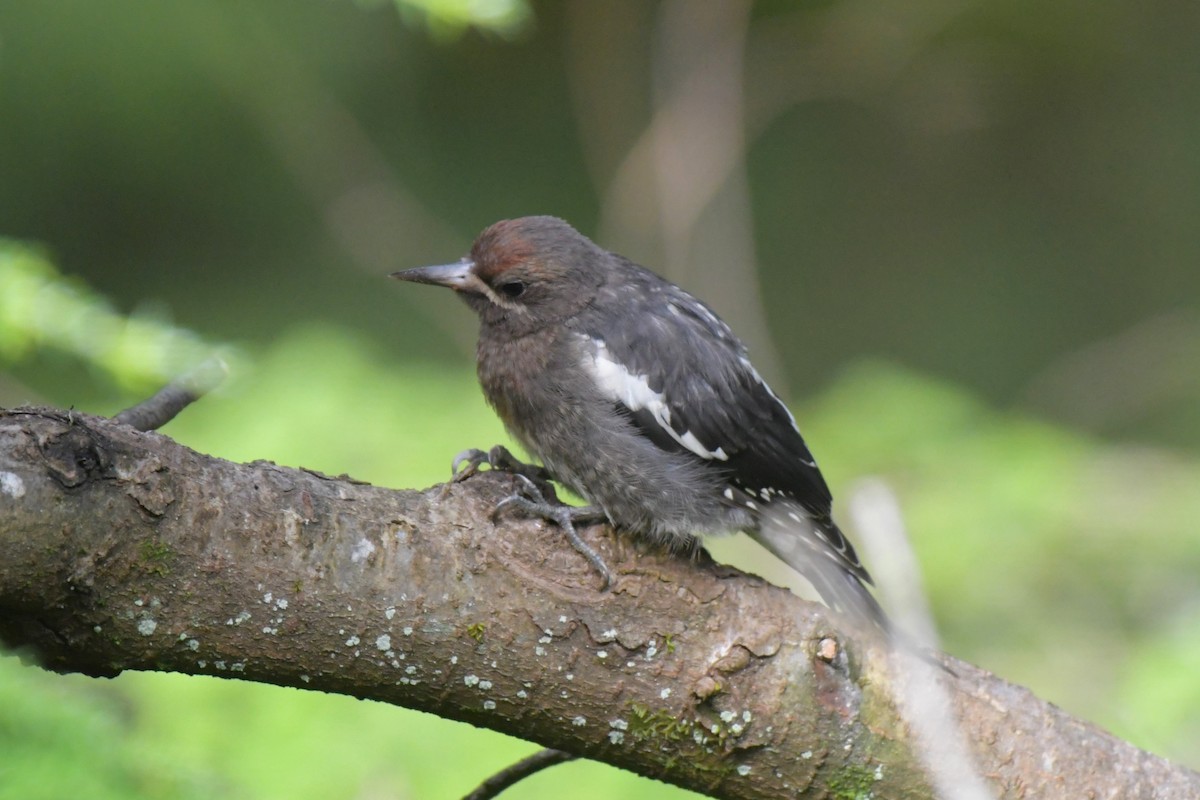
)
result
[(819, 551)]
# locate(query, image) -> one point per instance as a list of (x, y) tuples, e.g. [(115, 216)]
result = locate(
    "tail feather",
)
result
[(807, 546)]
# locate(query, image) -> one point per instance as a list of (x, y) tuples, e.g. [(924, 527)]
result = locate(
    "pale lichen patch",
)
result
[(12, 485), (363, 550)]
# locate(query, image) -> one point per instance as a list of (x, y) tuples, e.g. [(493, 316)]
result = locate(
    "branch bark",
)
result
[(125, 550)]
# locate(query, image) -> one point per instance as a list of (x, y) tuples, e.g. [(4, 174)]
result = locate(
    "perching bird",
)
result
[(636, 396)]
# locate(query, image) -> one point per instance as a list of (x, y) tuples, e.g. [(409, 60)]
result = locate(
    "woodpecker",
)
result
[(636, 396)]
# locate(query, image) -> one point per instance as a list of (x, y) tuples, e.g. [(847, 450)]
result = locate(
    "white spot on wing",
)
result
[(689, 440), (617, 382)]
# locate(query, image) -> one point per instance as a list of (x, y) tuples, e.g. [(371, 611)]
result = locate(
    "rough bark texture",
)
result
[(124, 550)]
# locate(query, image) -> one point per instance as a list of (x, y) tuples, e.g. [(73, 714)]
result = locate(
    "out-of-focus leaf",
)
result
[(449, 18), (41, 308)]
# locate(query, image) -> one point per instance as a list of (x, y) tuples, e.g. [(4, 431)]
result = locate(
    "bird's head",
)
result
[(522, 273)]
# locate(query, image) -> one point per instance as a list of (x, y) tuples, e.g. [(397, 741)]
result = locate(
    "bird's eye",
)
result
[(512, 289)]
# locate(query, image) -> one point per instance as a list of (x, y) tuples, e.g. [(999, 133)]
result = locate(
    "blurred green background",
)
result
[(960, 237)]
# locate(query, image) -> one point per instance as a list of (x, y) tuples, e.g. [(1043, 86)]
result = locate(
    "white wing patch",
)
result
[(618, 383)]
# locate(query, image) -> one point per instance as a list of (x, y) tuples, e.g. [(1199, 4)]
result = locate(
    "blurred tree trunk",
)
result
[(125, 550)]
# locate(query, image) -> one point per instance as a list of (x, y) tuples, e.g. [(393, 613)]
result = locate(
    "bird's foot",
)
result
[(531, 502), (496, 458), (531, 498)]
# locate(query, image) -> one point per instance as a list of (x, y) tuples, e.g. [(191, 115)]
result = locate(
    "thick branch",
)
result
[(124, 550)]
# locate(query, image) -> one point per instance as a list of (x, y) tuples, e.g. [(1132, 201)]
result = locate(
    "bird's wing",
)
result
[(683, 379)]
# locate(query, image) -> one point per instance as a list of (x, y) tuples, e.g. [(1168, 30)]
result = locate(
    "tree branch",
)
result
[(125, 550), (152, 414)]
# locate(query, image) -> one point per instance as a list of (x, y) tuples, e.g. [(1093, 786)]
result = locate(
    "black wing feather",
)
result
[(715, 393)]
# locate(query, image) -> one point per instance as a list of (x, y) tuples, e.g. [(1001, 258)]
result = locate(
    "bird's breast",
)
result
[(517, 379)]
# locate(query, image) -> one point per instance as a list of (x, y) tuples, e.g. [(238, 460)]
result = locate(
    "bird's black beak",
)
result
[(456, 276)]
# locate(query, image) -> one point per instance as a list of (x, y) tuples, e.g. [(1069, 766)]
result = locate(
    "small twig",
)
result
[(519, 771), (152, 414)]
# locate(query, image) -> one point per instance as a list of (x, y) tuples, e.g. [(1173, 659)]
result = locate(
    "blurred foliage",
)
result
[(40, 310), (67, 738), (975, 223), (452, 17), (980, 190)]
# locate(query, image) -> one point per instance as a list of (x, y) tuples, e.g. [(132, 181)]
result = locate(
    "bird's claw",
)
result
[(531, 501), (473, 457), (498, 458)]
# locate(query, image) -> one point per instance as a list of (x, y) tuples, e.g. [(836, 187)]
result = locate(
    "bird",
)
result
[(635, 395)]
